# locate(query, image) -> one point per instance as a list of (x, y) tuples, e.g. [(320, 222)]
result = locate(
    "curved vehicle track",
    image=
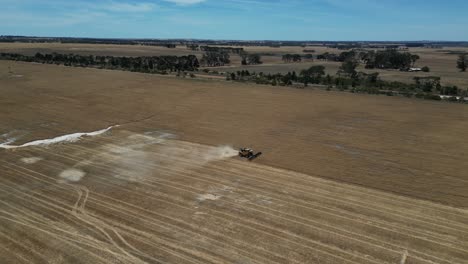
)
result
[(143, 200)]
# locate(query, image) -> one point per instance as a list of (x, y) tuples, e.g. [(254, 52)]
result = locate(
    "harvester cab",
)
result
[(248, 153)]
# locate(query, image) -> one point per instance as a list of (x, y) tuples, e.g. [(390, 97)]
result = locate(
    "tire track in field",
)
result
[(283, 173), (87, 241), (7, 251), (150, 220), (96, 224), (272, 233), (331, 198), (71, 242), (132, 262), (179, 173), (81, 215), (239, 219), (340, 234), (331, 227), (369, 192), (399, 214), (292, 175), (102, 224), (158, 245), (65, 213), (17, 243), (171, 219)]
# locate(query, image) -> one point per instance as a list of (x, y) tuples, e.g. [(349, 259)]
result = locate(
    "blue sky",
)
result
[(239, 19)]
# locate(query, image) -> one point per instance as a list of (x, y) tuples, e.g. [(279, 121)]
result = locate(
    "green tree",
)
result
[(414, 58), (250, 59), (462, 62), (312, 75), (348, 68), (254, 59)]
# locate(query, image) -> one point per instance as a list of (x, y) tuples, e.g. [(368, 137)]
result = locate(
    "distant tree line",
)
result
[(221, 49), (167, 45), (268, 43), (154, 64), (327, 57), (345, 46), (462, 62), (389, 59), (222, 57), (296, 57), (356, 82), (382, 59), (292, 58), (215, 59), (193, 46), (251, 59)]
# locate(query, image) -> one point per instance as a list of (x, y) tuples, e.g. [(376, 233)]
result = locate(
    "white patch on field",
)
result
[(194, 155), (219, 153), (65, 138), (72, 175), (7, 142), (215, 193), (208, 196), (129, 158), (31, 160)]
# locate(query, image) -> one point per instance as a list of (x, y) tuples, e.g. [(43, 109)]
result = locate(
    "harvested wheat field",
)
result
[(116, 167)]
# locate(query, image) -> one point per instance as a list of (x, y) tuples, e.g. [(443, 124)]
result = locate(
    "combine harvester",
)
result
[(248, 154)]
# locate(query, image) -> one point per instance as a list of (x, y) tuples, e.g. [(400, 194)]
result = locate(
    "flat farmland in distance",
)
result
[(94, 49), (344, 178), (440, 61)]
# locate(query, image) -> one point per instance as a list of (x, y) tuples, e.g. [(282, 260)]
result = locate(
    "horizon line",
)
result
[(240, 40)]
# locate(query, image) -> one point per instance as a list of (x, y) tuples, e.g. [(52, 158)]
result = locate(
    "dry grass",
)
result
[(441, 63), (344, 178), (93, 49)]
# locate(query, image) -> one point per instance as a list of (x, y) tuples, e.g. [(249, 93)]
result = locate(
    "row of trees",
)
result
[(167, 45), (193, 46), (221, 58), (462, 62), (382, 59), (154, 64), (327, 57), (349, 79), (292, 58), (390, 59), (215, 59), (296, 57), (222, 49), (215, 49), (151, 64)]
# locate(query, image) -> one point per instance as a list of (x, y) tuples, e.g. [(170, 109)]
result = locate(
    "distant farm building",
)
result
[(459, 98)]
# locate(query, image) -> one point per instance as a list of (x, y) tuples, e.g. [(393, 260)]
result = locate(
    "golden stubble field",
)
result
[(344, 178)]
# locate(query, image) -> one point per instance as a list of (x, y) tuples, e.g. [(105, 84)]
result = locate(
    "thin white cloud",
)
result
[(62, 20), (185, 2), (128, 7)]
